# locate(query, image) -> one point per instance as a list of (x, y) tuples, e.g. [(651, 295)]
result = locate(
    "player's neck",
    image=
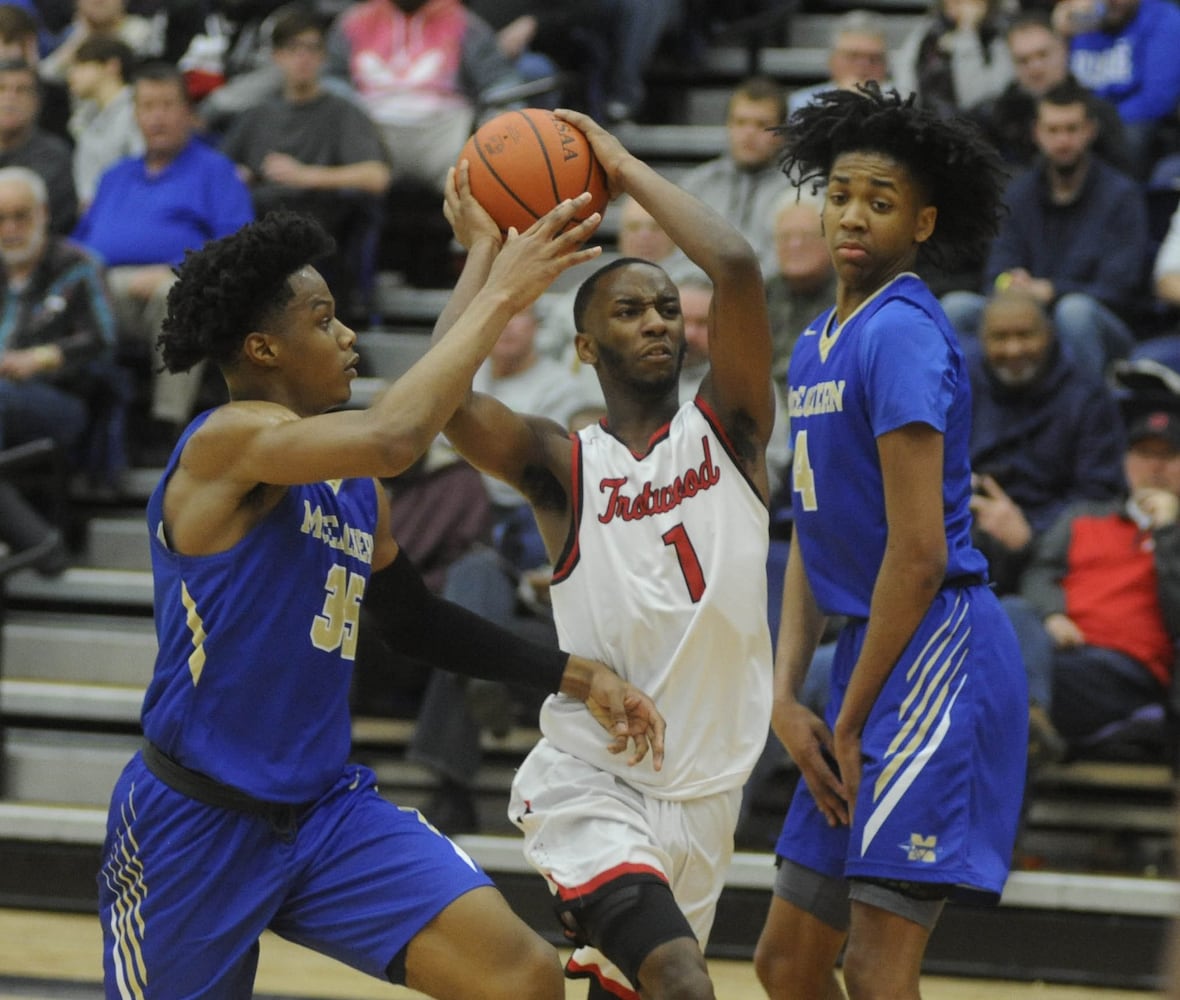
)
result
[(633, 420)]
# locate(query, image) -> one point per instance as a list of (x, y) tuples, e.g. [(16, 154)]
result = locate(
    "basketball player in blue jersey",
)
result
[(242, 813), (656, 521), (912, 787)]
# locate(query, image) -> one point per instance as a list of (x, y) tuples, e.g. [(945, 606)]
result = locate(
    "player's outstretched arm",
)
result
[(739, 329), (267, 443), (423, 625), (491, 436)]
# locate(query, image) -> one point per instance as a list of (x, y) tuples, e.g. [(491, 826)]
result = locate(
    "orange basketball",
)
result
[(523, 163)]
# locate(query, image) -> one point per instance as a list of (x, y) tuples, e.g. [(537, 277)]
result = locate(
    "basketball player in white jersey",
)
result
[(656, 521)]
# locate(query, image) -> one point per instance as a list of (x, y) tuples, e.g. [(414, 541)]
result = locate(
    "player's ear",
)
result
[(586, 349), (259, 348), (927, 216)]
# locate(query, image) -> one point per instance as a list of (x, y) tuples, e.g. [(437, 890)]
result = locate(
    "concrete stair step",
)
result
[(106, 649), (71, 769), (84, 587), (116, 542)]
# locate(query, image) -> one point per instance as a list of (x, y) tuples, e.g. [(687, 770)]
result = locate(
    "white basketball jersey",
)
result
[(664, 578)]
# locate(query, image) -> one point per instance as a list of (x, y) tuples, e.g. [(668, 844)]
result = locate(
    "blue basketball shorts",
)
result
[(943, 757), (186, 889)]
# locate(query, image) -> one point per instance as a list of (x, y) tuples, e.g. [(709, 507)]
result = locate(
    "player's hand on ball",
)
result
[(610, 153), (629, 715), (529, 262), (468, 218)]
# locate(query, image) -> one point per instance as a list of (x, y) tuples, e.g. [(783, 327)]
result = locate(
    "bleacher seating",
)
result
[(76, 653)]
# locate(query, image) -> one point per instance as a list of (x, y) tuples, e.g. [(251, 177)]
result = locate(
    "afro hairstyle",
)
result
[(234, 285), (956, 168)]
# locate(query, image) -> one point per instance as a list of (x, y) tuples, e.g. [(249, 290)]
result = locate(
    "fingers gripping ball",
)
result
[(523, 163)]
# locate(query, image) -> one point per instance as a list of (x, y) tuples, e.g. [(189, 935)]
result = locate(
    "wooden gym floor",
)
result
[(53, 956)]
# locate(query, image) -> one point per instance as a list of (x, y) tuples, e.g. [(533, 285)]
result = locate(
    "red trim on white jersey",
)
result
[(602, 878)]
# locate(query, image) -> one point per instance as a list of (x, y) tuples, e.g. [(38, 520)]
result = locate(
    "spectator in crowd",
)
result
[(745, 182), (696, 305), (55, 325), (859, 52), (312, 151), (1056, 239), (636, 28), (956, 57), (488, 579), (804, 284), (1040, 60), (103, 124), (1099, 609), (25, 144), (99, 17), (148, 210), (1044, 434), (20, 36), (422, 69), (1125, 51), (544, 37), (1166, 269)]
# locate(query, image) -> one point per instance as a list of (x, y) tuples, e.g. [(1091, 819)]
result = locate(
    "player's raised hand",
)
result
[(462, 209), (624, 711), (610, 153), (529, 262)]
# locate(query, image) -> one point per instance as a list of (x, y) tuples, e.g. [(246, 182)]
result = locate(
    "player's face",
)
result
[(635, 329), (319, 360), (1016, 340), (751, 144), (1040, 58), (874, 220)]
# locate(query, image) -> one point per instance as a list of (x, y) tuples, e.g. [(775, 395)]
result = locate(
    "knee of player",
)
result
[(534, 974), (676, 969)]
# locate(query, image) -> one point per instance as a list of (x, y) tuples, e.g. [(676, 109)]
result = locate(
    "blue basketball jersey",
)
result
[(895, 361), (256, 644)]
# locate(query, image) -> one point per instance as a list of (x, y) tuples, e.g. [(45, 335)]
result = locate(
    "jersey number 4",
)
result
[(686, 555), (802, 474), (336, 628)]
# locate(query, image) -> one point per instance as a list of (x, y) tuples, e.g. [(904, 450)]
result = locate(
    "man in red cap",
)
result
[(1099, 608)]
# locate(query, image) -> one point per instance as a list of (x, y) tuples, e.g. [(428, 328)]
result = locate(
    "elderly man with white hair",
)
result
[(55, 325)]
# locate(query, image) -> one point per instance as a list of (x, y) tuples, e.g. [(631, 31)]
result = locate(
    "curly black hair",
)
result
[(958, 170), (233, 285)]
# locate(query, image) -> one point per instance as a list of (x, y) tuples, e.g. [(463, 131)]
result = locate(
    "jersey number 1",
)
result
[(690, 565)]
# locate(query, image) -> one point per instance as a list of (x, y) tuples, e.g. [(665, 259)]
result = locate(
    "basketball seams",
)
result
[(509, 164), (500, 180), (557, 198)]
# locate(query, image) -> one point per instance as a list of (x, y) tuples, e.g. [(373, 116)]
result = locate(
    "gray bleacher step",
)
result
[(814, 30), (117, 542), (75, 769), (85, 585), (47, 646), (678, 143), (88, 704), (372, 733), (1095, 816)]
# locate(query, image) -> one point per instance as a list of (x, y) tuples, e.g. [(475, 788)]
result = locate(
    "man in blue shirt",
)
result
[(1075, 237), (148, 210), (1125, 51)]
